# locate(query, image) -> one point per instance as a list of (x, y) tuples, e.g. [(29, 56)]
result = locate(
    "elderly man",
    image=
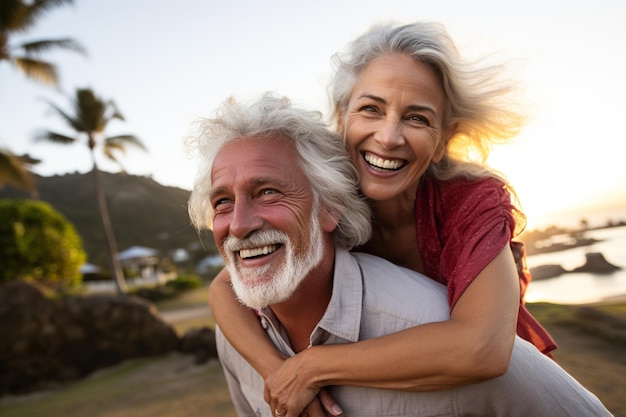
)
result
[(279, 192)]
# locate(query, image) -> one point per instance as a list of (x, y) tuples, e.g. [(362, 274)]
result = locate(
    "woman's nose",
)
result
[(389, 134)]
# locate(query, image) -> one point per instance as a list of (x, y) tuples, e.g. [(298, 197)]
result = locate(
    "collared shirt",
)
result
[(372, 297)]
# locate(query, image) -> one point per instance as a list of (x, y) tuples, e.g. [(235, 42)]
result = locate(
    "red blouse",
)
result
[(461, 226)]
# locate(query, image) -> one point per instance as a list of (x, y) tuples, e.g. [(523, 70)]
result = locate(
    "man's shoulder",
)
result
[(380, 270), (400, 291)]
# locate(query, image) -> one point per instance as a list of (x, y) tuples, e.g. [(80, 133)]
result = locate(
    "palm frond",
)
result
[(45, 5), (13, 172), (115, 113), (37, 47), (27, 159), (109, 151), (54, 137), (14, 16), (40, 7), (74, 122), (124, 140), (37, 70), (20, 15), (91, 110), (110, 148)]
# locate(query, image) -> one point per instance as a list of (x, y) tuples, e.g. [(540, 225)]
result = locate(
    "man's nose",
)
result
[(245, 219)]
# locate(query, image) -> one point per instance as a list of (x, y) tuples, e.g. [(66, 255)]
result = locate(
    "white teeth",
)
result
[(381, 163), (263, 250)]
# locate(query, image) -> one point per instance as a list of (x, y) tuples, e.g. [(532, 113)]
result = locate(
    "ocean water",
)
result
[(581, 288)]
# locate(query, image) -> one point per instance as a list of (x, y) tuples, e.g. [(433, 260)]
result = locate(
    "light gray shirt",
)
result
[(372, 297)]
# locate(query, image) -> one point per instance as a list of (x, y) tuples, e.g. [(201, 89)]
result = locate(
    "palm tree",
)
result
[(13, 171), (17, 16), (89, 119)]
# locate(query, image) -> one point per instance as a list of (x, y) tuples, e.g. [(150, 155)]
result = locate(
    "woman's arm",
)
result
[(473, 346)]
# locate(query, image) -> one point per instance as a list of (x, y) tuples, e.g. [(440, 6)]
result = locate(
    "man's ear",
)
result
[(329, 219)]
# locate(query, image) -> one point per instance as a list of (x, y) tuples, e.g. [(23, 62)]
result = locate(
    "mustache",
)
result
[(260, 238)]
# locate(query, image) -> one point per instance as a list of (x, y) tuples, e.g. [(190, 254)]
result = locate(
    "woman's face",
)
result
[(394, 126)]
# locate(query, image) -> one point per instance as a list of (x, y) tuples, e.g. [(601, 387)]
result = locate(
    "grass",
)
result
[(174, 386), (605, 321), (592, 346), (169, 386), (187, 299)]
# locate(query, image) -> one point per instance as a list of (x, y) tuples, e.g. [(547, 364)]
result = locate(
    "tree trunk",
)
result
[(116, 268)]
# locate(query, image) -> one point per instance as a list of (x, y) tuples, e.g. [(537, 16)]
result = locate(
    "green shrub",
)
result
[(185, 282), (38, 244)]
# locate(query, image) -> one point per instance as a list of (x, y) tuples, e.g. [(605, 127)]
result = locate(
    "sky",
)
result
[(165, 64)]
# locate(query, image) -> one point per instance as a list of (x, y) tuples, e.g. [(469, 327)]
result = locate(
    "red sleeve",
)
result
[(468, 225), (461, 226)]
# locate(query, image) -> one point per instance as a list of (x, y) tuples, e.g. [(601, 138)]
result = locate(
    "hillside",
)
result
[(143, 212)]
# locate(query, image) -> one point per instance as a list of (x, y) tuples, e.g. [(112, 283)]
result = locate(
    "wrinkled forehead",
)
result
[(252, 160)]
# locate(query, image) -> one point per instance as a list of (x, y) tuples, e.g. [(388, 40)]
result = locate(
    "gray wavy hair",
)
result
[(479, 105), (323, 158)]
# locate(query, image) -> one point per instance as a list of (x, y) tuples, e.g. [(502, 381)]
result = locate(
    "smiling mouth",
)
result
[(381, 164), (260, 251)]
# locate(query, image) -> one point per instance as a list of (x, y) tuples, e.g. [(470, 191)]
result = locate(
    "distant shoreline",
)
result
[(611, 299), (619, 298)]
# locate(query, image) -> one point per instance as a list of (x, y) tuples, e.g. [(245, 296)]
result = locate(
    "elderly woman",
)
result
[(412, 113)]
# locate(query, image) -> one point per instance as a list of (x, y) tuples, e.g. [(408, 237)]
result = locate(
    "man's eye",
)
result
[(268, 191), (220, 202)]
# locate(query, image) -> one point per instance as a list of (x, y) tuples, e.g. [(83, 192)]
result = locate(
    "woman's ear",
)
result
[(340, 120), (443, 144)]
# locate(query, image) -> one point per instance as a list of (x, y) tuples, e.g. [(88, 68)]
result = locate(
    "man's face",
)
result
[(265, 220)]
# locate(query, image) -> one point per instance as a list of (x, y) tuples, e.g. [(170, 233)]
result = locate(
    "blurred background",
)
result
[(162, 65), (165, 65)]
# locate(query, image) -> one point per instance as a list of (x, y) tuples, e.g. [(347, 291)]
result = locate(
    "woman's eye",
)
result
[(369, 109), (417, 118)]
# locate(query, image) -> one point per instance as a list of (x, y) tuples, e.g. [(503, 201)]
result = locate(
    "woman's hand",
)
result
[(290, 390)]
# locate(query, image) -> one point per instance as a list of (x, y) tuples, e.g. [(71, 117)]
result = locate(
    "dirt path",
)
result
[(177, 316)]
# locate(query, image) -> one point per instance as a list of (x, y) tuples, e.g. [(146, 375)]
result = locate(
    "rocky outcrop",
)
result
[(45, 341), (199, 342), (596, 263), (547, 271)]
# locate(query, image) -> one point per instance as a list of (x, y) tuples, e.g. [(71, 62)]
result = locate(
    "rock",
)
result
[(596, 263), (547, 271), (46, 341), (201, 343)]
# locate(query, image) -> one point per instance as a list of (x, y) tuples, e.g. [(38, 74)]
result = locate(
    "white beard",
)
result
[(288, 277)]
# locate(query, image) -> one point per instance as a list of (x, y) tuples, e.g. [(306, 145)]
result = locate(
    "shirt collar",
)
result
[(343, 314), (342, 318)]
